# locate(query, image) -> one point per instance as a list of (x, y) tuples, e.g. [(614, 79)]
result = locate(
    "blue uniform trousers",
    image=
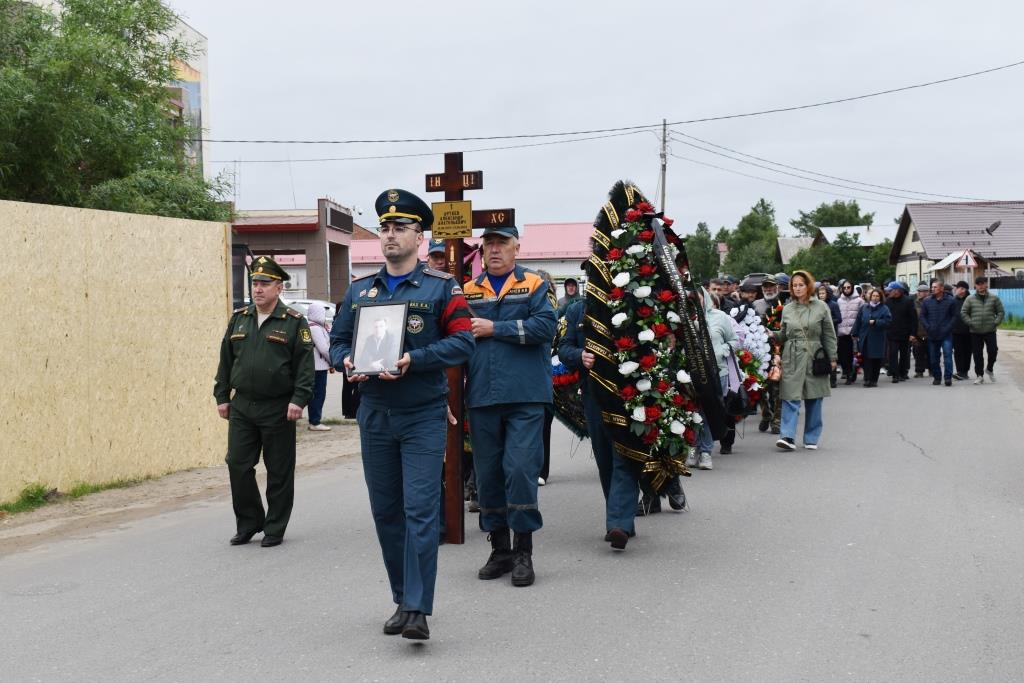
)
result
[(620, 485), (403, 451), (508, 452)]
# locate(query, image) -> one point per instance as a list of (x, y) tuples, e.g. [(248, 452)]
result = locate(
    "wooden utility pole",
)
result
[(454, 182)]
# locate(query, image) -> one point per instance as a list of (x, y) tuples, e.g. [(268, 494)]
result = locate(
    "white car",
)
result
[(302, 305)]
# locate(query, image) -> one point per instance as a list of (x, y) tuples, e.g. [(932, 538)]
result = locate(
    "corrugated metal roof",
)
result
[(946, 227), (868, 235), (788, 246)]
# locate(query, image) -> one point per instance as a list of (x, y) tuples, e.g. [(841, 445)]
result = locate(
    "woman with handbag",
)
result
[(808, 340), (869, 334)]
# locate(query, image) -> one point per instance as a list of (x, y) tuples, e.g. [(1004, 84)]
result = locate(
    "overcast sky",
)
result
[(341, 70)]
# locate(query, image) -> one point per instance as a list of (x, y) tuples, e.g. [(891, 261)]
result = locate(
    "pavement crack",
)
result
[(911, 443)]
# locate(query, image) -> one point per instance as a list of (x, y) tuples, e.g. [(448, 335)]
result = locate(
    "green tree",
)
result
[(835, 215), (753, 244), (84, 100), (846, 258), (702, 252), (163, 193)]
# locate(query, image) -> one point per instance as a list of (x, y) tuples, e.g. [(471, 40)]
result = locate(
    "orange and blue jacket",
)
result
[(514, 364)]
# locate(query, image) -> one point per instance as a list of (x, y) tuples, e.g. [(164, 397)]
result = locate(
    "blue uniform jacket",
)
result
[(572, 340), (513, 365), (437, 334), (937, 316)]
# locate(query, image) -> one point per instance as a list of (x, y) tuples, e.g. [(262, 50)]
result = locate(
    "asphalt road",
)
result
[(893, 553)]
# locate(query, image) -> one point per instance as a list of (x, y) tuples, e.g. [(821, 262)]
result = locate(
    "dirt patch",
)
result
[(105, 509)]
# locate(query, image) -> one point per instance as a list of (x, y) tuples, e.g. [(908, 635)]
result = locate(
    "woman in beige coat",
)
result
[(806, 327)]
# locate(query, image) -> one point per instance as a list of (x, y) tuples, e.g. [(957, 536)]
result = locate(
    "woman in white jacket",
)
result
[(317, 316), (724, 342), (850, 304)]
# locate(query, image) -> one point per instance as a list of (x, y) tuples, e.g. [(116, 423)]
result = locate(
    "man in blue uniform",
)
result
[(618, 481), (402, 417), (509, 383)]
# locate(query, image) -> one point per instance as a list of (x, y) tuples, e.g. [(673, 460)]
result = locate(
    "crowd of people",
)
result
[(779, 344)]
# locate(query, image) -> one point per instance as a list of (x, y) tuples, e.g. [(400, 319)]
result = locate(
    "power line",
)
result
[(422, 154), (724, 117), (825, 175)]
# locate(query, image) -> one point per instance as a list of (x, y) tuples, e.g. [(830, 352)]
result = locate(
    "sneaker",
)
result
[(811, 446), (786, 444), (691, 459), (980, 380), (541, 481), (991, 376), (762, 426), (705, 461), (319, 428)]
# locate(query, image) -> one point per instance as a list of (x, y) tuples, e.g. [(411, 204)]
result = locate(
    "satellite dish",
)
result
[(992, 228)]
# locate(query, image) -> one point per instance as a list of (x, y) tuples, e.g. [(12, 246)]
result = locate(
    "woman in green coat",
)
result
[(806, 327)]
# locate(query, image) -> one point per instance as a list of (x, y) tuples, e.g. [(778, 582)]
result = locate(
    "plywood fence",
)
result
[(108, 345)]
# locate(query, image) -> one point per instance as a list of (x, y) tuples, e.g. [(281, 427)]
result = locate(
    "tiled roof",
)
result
[(945, 227)]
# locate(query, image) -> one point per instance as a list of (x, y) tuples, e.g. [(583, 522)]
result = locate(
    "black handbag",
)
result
[(821, 364), (736, 402)]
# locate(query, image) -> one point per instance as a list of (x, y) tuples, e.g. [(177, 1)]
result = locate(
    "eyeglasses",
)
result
[(396, 230)]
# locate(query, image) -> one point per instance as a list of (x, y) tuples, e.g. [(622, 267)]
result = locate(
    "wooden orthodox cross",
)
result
[(453, 182)]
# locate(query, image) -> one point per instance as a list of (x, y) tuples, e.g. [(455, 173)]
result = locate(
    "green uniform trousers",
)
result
[(256, 426)]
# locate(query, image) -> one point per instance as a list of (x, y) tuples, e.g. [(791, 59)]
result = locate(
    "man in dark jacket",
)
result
[(919, 342), (961, 334), (902, 328), (983, 312), (937, 314)]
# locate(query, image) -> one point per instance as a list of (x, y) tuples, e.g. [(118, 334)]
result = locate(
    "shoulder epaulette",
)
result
[(239, 310), (438, 273), (365, 277), (293, 313)]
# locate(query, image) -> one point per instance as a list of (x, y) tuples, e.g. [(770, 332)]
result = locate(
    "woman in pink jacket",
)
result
[(850, 304)]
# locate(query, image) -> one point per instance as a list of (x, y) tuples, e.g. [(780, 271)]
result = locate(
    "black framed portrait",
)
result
[(378, 337)]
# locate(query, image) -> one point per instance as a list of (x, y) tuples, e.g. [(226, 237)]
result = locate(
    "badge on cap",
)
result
[(392, 196)]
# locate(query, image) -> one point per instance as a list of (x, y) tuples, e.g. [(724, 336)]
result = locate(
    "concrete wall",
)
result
[(110, 345)]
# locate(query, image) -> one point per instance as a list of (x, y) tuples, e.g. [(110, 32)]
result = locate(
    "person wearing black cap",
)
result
[(572, 293), (403, 417), (435, 255), (264, 380), (983, 312), (920, 340), (508, 387), (961, 334), (901, 329)]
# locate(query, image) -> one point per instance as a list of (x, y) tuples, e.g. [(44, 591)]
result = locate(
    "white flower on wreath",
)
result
[(673, 317), (621, 280), (639, 414), (619, 318), (697, 419), (677, 427), (642, 292), (683, 377), (635, 249), (644, 384), (616, 234), (646, 335), (628, 368)]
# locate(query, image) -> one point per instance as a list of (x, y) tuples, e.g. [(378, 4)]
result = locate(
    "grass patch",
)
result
[(1012, 322), (334, 421), (31, 497), (79, 490)]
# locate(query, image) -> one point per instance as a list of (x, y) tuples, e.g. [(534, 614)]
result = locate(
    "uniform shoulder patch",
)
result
[(438, 273), (293, 313), (240, 310), (307, 338)]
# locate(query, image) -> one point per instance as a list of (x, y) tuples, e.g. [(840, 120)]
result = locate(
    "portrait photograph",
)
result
[(378, 338)]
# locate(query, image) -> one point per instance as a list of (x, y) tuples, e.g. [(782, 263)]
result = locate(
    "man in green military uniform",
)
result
[(266, 358)]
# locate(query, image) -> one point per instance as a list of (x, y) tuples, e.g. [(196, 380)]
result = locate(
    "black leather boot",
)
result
[(522, 569), (500, 561), (676, 496)]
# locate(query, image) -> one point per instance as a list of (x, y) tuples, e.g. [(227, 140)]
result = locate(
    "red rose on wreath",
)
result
[(649, 361), (678, 400), (690, 436), (660, 329), (645, 235), (614, 254), (664, 386), (644, 311), (647, 269), (644, 207), (616, 294), (628, 392), (746, 356), (625, 343), (632, 215), (666, 295), (653, 413), (651, 436)]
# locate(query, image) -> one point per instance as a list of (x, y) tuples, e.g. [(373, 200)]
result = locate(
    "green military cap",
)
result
[(265, 269)]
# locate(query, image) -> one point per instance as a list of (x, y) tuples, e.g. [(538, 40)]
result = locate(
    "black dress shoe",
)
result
[(894, 379), (396, 623), (618, 538), (949, 382), (725, 450), (416, 627), (271, 541), (243, 538), (676, 495), (936, 381)]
